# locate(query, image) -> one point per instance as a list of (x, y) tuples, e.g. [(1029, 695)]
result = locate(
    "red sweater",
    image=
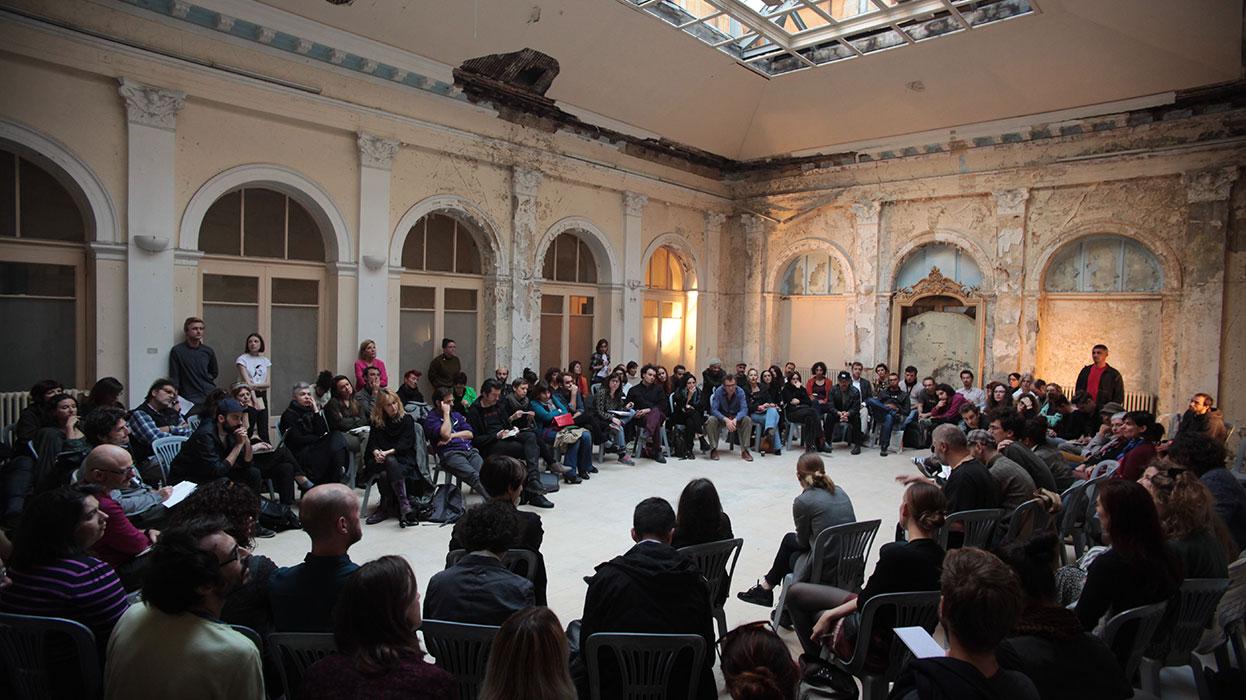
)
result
[(121, 541)]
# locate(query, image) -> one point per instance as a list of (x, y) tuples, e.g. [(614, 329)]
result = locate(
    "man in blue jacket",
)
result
[(729, 408)]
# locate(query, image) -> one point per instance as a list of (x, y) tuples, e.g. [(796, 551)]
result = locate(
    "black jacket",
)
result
[(202, 458), (652, 588), (1049, 645), (899, 397), (849, 400), (1111, 385), (943, 677), (530, 538), (302, 427), (477, 590), (487, 422), (649, 396)]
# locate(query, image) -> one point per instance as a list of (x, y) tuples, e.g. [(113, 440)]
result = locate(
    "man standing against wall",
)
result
[(192, 364), (442, 369), (1101, 380)]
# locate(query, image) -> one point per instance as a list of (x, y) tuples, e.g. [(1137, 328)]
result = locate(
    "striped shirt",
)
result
[(81, 588)]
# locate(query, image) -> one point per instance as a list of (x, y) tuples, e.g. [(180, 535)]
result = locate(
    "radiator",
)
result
[(1137, 401)]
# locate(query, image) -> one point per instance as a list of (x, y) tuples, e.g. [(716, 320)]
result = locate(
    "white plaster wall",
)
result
[(1129, 327)]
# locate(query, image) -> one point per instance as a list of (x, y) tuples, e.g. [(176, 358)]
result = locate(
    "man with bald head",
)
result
[(970, 486), (110, 468), (302, 597)]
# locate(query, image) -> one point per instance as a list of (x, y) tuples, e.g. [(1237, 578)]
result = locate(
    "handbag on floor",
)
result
[(445, 506), (278, 516)]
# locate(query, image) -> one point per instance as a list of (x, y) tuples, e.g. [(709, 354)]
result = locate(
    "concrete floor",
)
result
[(591, 522)]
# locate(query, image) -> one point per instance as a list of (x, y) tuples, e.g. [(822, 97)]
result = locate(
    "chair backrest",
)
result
[(517, 561), (25, 643), (1143, 620), (247, 632), (978, 526), (1028, 518), (1074, 513), (646, 663), (1105, 468), (914, 609), (166, 449), (1233, 605), (462, 650), (1196, 603), (193, 421), (848, 546), (6, 434), (293, 652), (716, 561)]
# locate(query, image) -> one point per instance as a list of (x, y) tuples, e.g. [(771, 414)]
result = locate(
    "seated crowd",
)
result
[(84, 493)]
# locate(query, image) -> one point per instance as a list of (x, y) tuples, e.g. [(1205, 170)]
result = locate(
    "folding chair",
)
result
[(646, 663), (716, 561), (28, 643), (461, 649)]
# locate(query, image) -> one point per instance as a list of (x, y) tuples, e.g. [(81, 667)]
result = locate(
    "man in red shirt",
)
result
[(1101, 380)]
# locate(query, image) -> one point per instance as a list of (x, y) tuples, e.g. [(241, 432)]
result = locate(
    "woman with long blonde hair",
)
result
[(391, 449), (821, 504), (528, 659)]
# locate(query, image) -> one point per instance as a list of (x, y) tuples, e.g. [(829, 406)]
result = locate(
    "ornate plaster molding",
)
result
[(1011, 202), (867, 211), (634, 203), (375, 151), (525, 181), (935, 284), (1211, 185), (151, 106), (714, 220)]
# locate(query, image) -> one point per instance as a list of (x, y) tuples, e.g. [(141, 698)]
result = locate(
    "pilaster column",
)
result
[(708, 298), (376, 157), (525, 295), (1202, 304), (752, 343), (633, 278), (872, 331), (108, 277), (151, 228), (1012, 317)]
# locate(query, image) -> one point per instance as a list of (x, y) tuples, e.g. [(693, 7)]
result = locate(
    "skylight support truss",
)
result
[(777, 37)]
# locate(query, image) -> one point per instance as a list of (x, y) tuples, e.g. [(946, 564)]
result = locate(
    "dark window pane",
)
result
[(413, 248), (305, 241), (460, 299), (264, 224), (551, 303), (417, 297), (588, 265), (467, 256), (564, 258), (45, 347), (440, 234), (36, 280), (8, 194), (221, 231), (302, 292), (231, 289), (547, 268), (48, 211)]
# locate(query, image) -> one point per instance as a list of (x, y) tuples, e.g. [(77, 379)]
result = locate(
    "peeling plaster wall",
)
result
[(1071, 326), (1231, 398)]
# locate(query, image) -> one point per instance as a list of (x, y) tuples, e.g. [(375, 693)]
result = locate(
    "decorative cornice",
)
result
[(375, 151), (187, 258), (754, 226), (1011, 202), (714, 220), (525, 181), (101, 250), (867, 211), (343, 269), (151, 106), (1212, 185), (935, 284), (634, 203)]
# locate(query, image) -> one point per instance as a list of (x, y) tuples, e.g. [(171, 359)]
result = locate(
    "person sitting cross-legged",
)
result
[(479, 589), (729, 409), (649, 399), (686, 412), (378, 653), (612, 412), (393, 452), (302, 596), (763, 408), (980, 603), (172, 644), (577, 442), (451, 437), (652, 589)]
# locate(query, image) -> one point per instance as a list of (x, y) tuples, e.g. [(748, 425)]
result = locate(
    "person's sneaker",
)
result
[(856, 450), (882, 452), (826, 449), (540, 501), (659, 458), (625, 459), (714, 455), (261, 531), (758, 596)]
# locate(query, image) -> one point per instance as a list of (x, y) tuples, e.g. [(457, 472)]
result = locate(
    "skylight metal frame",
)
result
[(787, 51)]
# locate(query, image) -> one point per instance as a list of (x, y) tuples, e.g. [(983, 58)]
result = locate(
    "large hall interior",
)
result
[(961, 284)]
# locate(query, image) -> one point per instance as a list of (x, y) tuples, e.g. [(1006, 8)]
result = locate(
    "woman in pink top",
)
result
[(368, 358)]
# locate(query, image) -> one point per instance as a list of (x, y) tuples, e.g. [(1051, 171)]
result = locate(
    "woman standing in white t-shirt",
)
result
[(255, 370)]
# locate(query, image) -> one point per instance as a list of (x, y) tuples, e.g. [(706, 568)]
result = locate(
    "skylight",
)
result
[(774, 37)]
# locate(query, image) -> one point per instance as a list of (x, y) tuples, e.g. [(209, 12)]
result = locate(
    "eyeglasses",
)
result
[(127, 470), (236, 554)]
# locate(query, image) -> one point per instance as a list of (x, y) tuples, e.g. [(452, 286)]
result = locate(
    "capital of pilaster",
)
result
[(634, 203), (376, 152), (151, 106), (525, 181), (753, 226), (866, 211), (714, 220), (1211, 185), (1011, 202)]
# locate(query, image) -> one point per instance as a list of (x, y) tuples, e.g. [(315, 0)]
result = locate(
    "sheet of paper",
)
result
[(361, 430), (180, 492), (946, 473), (184, 406), (920, 642)]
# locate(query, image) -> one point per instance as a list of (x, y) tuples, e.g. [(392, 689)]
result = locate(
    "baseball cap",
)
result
[(1112, 408), (227, 406), (843, 375)]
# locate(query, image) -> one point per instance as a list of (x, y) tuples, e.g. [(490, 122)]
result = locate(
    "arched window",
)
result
[(1104, 265), (263, 271), (952, 262), (568, 301), (665, 270), (440, 295), (569, 259), (40, 285), (440, 243), (813, 274)]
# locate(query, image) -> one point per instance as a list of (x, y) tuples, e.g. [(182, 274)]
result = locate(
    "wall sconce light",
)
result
[(373, 262), (151, 244)]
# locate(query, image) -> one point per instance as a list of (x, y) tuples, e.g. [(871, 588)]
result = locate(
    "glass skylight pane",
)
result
[(727, 27), (994, 12), (877, 41), (827, 53), (670, 12), (927, 28)]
